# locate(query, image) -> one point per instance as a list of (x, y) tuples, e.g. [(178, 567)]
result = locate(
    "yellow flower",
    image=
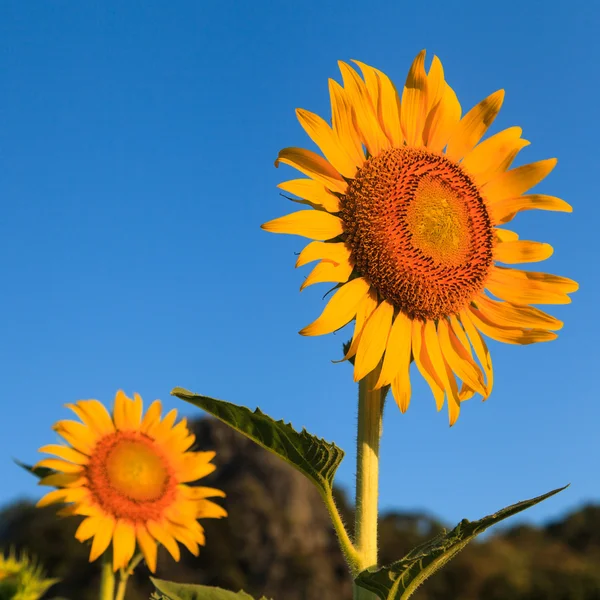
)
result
[(406, 209), (127, 475)]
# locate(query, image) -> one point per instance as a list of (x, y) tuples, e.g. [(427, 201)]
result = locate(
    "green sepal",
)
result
[(40, 472), (399, 580), (312, 456), (171, 590)]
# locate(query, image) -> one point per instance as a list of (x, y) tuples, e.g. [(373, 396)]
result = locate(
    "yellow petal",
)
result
[(128, 412), (335, 253), (413, 110), (322, 135), (522, 252), (365, 309), (401, 388), (423, 362), (441, 368), (458, 358), (162, 429), (122, 410), (200, 492), (435, 83), (195, 465), (158, 532), (64, 480), (152, 417), (53, 497), (442, 120), (397, 352), (209, 510), (364, 112), (473, 126), (389, 110), (504, 235), (59, 465), (456, 328), (314, 166), (521, 293), (88, 528), (181, 534), (505, 210), (494, 155), (505, 314), (481, 350), (530, 287), (517, 181), (340, 309), (373, 340), (313, 191), (509, 336), (327, 271), (123, 544), (102, 538), (313, 224), (66, 453), (343, 123), (94, 415), (78, 435), (147, 545), (371, 83)]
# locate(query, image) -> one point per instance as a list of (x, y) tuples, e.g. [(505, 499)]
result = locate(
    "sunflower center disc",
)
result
[(419, 232), (135, 470), (129, 476)]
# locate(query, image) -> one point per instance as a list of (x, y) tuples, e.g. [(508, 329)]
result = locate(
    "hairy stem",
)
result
[(370, 411)]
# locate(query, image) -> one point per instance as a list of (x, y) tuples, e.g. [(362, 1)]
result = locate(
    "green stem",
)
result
[(107, 579), (346, 544), (370, 411), (125, 574)]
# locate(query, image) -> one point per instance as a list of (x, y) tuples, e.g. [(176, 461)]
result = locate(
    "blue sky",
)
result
[(137, 142)]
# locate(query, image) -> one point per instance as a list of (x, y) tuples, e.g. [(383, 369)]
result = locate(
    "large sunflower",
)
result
[(127, 475), (405, 212)]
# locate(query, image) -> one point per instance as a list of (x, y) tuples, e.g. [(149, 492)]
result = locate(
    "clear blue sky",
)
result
[(137, 142)]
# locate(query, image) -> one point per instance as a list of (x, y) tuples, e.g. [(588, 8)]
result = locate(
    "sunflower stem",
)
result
[(370, 412), (107, 579), (125, 574)]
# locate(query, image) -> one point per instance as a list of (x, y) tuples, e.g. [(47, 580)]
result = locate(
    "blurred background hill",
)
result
[(278, 542)]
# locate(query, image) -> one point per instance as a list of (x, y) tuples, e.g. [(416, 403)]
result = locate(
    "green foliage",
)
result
[(312, 456), (401, 579), (40, 472), (185, 591), (21, 578)]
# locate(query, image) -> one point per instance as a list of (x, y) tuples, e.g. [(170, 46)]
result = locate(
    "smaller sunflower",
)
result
[(127, 474)]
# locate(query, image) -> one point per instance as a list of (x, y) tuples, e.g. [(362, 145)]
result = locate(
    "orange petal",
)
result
[(341, 308), (314, 166)]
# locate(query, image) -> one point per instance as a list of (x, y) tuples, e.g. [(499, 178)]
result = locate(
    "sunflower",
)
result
[(127, 476), (405, 215)]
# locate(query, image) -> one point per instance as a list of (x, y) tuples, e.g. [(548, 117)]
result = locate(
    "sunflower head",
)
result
[(22, 578), (407, 205), (128, 475)]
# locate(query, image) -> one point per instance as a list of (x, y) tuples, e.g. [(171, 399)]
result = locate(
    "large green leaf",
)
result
[(312, 456), (171, 590), (399, 580)]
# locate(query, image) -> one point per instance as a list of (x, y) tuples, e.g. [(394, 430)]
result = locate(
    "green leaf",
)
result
[(399, 580), (312, 456), (40, 472), (187, 591)]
